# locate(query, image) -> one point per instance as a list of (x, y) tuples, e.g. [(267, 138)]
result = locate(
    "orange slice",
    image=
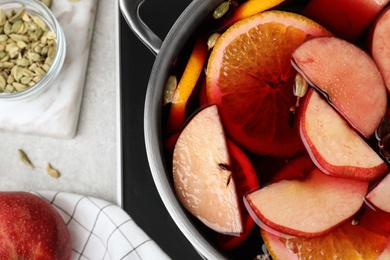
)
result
[(197, 59), (186, 86), (346, 242), (250, 78)]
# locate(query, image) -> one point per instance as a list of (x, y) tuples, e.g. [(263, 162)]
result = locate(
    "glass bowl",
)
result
[(36, 8)]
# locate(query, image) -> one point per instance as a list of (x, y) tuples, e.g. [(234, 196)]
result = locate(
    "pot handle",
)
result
[(130, 11)]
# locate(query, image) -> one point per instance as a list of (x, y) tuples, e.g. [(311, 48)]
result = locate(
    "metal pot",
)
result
[(166, 51)]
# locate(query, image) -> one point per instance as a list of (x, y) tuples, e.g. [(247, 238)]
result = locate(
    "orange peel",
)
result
[(187, 85), (250, 8)]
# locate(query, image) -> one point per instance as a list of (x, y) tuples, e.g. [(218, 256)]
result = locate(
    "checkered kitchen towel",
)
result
[(101, 230)]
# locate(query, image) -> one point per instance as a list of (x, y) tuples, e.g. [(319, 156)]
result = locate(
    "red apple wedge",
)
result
[(333, 145), (246, 180), (202, 173), (308, 207), (349, 78), (380, 45), (345, 18), (380, 195)]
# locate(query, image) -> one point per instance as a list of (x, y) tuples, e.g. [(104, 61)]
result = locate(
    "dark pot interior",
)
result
[(178, 40)]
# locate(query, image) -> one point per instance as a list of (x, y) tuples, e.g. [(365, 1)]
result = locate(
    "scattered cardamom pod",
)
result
[(52, 172), (24, 158), (27, 49)]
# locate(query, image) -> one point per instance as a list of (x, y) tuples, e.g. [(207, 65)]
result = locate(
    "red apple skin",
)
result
[(348, 76), (342, 153), (345, 18), (30, 228), (380, 46)]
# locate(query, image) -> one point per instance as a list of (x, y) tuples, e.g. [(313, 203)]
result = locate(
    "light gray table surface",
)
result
[(89, 163)]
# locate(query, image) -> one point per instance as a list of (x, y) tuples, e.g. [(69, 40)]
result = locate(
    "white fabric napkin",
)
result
[(101, 230)]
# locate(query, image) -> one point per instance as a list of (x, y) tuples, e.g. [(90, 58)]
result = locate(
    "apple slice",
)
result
[(345, 18), (380, 46), (246, 181), (380, 195), (333, 145), (202, 174), (307, 207), (349, 78)]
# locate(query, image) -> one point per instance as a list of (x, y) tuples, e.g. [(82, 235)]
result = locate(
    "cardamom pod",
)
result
[(3, 82), (221, 10), (3, 18), (9, 89), (40, 22), (212, 40), (23, 62), (16, 26), (21, 44), (18, 37), (24, 158), (17, 72), (170, 88), (17, 16), (7, 28), (3, 37), (300, 87), (5, 58), (52, 172), (25, 80), (19, 86)]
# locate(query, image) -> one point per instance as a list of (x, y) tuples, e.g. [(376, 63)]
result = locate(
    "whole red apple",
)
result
[(30, 228)]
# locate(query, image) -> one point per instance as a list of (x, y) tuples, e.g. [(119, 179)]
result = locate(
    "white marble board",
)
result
[(55, 110)]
